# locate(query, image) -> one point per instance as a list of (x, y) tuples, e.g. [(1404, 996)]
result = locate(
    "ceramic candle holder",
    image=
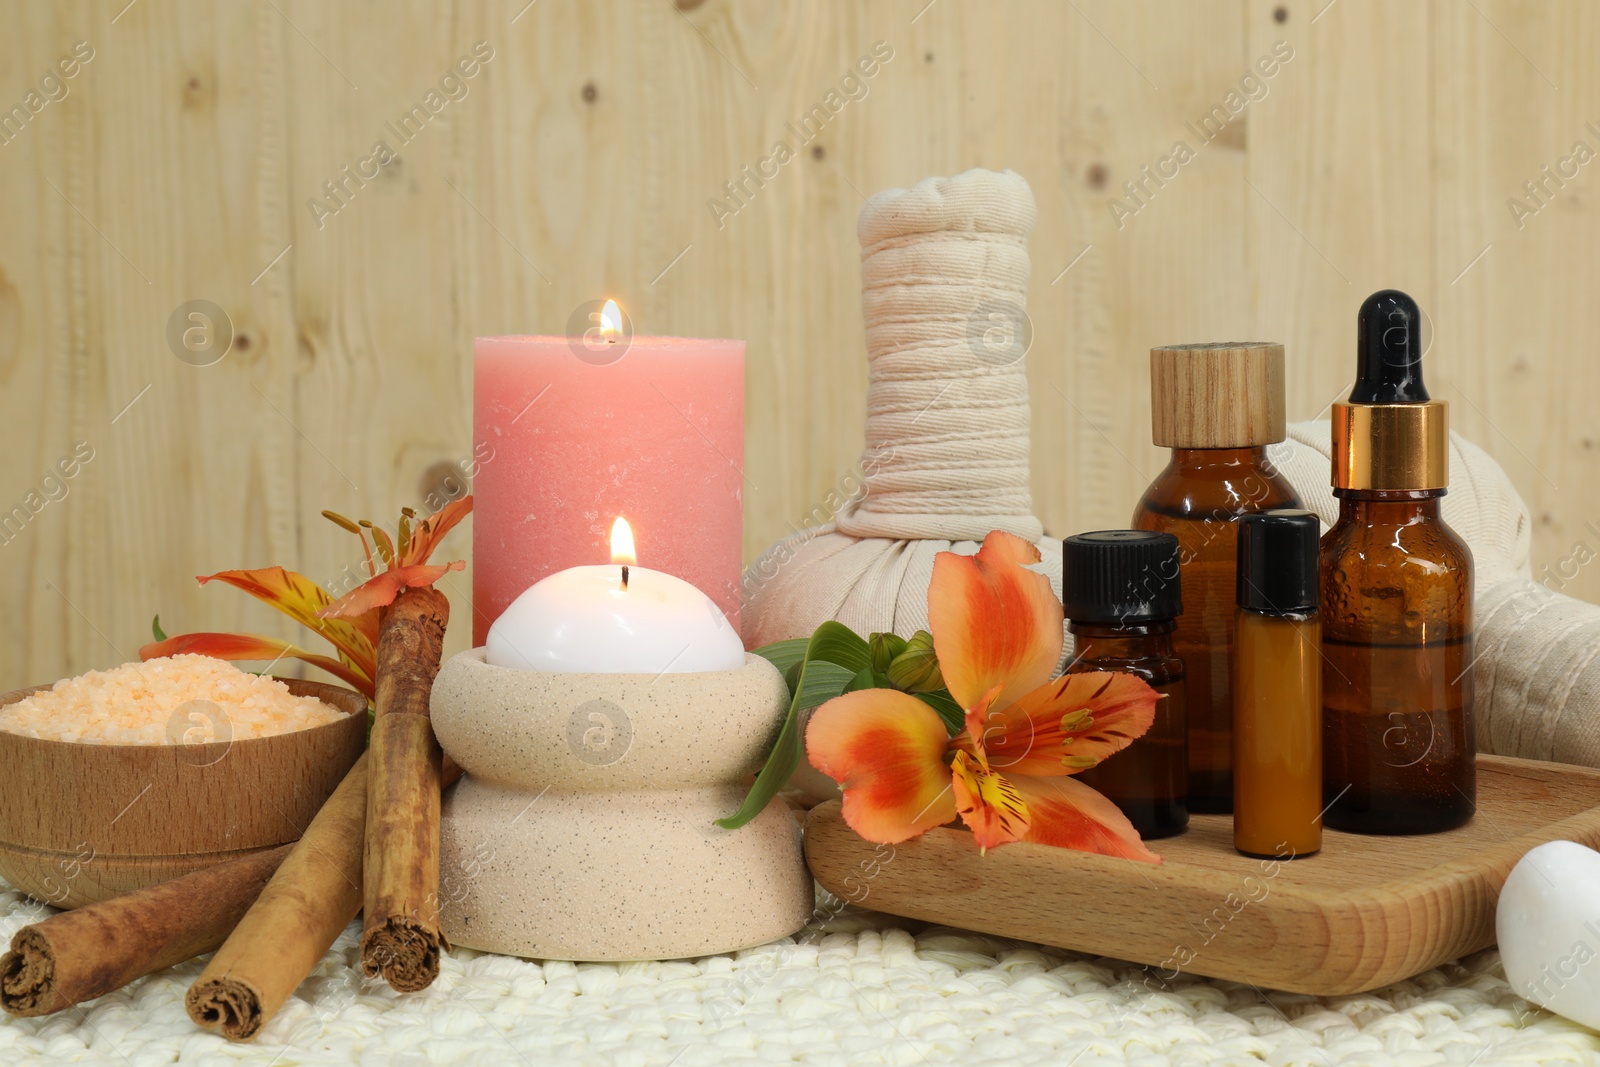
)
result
[(584, 828)]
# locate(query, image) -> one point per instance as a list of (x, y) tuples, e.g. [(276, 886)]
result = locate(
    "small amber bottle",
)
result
[(1277, 688), (1397, 741), (1120, 593), (1218, 407)]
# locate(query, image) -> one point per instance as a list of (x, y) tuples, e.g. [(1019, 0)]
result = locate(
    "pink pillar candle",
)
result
[(567, 443)]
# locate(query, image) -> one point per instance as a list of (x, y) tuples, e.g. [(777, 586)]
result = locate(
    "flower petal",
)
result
[(886, 750), (993, 621), (990, 806), (303, 601), (431, 530), (975, 733), (1070, 724), (379, 592), (1068, 814)]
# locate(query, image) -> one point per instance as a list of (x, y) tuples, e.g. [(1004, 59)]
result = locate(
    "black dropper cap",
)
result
[(1120, 576), (1278, 562), (1389, 351)]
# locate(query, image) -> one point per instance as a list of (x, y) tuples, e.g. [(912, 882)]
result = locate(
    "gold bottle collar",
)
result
[(1391, 446)]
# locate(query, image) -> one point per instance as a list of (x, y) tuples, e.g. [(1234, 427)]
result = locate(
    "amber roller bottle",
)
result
[(1218, 407), (1396, 599), (1277, 688), (1120, 593)]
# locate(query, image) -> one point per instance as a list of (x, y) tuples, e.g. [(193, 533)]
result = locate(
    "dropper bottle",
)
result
[(1396, 599)]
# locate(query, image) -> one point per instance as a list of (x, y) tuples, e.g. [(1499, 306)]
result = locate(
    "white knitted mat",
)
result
[(857, 988)]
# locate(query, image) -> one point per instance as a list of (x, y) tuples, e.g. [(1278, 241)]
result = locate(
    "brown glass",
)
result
[(1197, 499), (1277, 733), (1397, 692), (1147, 780)]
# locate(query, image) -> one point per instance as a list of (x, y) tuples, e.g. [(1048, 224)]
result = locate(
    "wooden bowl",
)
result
[(83, 822)]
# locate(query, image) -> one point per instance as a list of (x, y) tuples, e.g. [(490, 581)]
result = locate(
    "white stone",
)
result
[(1548, 926)]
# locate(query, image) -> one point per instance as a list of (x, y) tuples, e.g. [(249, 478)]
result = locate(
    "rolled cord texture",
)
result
[(944, 294)]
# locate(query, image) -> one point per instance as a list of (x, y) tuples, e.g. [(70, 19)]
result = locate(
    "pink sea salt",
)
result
[(172, 700)]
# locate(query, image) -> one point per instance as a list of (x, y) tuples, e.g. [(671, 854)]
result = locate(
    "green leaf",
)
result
[(791, 677), (815, 679), (784, 654), (916, 670), (155, 628), (822, 682), (837, 643), (885, 647), (869, 679), (940, 700)]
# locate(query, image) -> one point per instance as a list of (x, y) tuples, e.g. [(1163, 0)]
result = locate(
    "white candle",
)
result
[(620, 618)]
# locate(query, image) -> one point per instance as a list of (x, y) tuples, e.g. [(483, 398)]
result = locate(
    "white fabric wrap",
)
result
[(944, 276)]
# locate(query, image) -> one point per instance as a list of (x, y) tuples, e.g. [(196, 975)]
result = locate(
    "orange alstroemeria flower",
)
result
[(997, 633), (349, 622)]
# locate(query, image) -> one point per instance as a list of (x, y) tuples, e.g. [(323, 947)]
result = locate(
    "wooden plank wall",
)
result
[(181, 162)]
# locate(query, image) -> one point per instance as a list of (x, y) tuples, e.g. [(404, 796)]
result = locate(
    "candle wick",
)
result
[(624, 577)]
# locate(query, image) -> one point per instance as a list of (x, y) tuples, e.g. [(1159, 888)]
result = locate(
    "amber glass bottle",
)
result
[(1397, 600), (1218, 407), (1277, 688), (1120, 593)]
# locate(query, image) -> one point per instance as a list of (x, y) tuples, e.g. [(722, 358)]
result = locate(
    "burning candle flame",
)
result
[(622, 543), (610, 326)]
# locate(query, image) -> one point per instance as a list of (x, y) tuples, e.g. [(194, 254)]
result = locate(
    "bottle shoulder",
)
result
[(1427, 544), (1411, 579), (1155, 669), (1222, 492)]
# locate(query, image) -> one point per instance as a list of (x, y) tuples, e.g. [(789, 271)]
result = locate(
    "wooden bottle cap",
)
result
[(1225, 394)]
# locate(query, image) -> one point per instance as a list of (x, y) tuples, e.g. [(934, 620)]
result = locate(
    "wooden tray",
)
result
[(1360, 914)]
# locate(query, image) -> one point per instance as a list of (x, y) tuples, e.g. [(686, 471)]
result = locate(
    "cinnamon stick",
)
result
[(315, 893), (401, 936), (318, 889), (79, 955)]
